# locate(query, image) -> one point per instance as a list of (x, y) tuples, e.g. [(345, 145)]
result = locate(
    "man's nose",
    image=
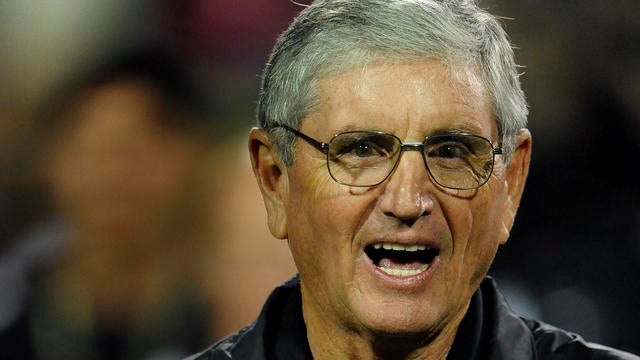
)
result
[(406, 194)]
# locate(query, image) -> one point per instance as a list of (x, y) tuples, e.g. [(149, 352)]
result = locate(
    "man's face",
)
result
[(333, 228)]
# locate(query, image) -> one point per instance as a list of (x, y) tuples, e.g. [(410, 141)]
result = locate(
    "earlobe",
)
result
[(516, 177), (270, 174)]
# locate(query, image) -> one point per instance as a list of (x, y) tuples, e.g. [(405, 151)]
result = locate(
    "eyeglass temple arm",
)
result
[(324, 147)]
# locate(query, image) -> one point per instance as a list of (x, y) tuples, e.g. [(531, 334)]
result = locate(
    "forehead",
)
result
[(405, 98)]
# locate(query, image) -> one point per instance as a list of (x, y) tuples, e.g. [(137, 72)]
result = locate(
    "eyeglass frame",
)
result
[(404, 146)]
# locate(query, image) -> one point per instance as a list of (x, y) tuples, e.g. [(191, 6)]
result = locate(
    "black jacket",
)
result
[(489, 331)]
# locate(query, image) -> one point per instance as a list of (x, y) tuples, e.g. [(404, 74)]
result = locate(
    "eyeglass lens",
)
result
[(362, 158)]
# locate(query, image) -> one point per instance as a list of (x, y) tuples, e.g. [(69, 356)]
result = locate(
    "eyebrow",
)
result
[(458, 130), (441, 131)]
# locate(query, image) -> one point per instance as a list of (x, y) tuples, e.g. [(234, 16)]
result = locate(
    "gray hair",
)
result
[(332, 36)]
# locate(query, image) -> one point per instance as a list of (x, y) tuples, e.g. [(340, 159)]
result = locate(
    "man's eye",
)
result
[(449, 151), (364, 149)]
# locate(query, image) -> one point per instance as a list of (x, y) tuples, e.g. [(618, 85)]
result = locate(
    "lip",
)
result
[(406, 240)]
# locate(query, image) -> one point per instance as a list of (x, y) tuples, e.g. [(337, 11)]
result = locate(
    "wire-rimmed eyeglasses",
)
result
[(454, 160)]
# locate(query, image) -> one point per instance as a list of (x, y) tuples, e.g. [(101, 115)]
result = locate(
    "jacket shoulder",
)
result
[(553, 343), (221, 350)]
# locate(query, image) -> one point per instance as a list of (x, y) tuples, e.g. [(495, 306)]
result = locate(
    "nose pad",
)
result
[(406, 194)]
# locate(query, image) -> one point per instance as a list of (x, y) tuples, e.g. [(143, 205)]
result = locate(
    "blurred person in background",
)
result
[(117, 158), (122, 158), (245, 261), (244, 258)]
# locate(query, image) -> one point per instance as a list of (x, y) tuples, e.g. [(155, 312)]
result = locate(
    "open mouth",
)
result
[(401, 260)]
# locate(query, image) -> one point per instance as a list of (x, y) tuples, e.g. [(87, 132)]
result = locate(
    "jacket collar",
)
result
[(505, 334)]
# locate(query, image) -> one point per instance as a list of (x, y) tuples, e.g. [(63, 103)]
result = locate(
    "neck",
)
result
[(329, 340)]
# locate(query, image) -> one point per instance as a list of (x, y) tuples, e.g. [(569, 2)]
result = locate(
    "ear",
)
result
[(516, 176), (271, 174)]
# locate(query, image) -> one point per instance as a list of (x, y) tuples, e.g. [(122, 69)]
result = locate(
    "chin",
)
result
[(404, 338), (401, 322)]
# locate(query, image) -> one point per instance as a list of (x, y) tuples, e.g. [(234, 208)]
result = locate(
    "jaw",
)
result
[(382, 326)]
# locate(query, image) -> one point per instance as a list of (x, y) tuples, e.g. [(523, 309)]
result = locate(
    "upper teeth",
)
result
[(399, 247)]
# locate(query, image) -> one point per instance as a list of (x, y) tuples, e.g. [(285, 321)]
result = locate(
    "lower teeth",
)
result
[(404, 272)]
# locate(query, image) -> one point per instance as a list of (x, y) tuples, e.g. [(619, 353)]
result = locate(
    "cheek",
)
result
[(313, 216), (318, 205), (486, 231), (320, 239), (323, 219), (475, 226), (482, 255), (328, 221)]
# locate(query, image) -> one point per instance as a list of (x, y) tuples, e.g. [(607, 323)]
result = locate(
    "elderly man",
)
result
[(392, 153)]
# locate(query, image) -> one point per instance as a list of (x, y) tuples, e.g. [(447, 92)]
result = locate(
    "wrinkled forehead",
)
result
[(398, 91), (465, 76)]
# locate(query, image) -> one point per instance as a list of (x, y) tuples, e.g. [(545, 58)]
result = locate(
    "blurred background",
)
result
[(131, 226)]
